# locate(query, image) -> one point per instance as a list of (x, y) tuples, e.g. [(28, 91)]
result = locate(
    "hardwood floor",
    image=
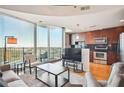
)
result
[(99, 71)]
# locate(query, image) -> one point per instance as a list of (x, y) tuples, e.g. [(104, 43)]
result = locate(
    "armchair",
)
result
[(116, 78), (30, 61)]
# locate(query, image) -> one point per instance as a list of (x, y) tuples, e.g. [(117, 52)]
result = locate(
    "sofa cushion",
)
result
[(17, 83), (9, 76), (3, 83), (33, 64), (91, 81), (117, 81), (5, 67), (116, 69)]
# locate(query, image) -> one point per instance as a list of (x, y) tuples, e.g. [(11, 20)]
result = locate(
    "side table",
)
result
[(19, 66)]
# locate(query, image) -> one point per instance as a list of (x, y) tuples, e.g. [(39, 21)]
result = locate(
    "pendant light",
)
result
[(77, 36)]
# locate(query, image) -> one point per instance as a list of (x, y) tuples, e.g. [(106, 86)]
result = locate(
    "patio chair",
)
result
[(43, 56)]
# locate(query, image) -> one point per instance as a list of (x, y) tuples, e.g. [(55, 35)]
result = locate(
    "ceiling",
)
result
[(59, 10), (87, 17)]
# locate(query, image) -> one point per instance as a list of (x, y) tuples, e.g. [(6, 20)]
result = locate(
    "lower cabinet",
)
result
[(112, 57), (100, 61)]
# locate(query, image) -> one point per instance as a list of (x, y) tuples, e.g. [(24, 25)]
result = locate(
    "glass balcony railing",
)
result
[(17, 54), (55, 53)]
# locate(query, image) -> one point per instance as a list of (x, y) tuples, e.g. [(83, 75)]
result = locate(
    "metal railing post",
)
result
[(23, 53)]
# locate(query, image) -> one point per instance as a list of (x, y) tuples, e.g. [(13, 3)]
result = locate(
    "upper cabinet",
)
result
[(89, 38), (112, 35)]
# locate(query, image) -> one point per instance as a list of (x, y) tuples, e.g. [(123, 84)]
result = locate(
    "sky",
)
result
[(24, 31)]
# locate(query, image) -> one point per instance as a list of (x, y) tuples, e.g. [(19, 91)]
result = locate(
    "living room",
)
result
[(46, 46)]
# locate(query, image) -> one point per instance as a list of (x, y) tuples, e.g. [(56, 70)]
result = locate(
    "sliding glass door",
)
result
[(55, 42), (49, 42), (42, 43)]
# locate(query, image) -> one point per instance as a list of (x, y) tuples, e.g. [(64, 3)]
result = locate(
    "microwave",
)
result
[(101, 47), (100, 40)]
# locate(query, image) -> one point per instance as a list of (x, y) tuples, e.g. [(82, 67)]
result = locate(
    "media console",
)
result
[(72, 58), (76, 58)]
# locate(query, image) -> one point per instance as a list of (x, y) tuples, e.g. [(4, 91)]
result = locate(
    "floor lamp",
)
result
[(8, 40)]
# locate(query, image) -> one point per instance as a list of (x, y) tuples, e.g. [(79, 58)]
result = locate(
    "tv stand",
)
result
[(73, 64)]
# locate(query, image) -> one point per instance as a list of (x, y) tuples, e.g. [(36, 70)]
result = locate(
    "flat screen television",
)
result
[(72, 54)]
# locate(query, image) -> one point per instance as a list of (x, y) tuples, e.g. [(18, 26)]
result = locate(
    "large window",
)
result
[(55, 42), (42, 40), (1, 39), (49, 40), (1, 31), (23, 31)]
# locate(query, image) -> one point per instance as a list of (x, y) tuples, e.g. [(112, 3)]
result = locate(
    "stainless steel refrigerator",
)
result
[(122, 47)]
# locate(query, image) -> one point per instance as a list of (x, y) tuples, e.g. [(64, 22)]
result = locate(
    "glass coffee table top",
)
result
[(55, 69), (52, 74)]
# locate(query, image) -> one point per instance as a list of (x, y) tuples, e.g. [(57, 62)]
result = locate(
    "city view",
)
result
[(24, 33), (16, 54)]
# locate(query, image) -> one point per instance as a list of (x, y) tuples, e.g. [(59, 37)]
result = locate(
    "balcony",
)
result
[(17, 54)]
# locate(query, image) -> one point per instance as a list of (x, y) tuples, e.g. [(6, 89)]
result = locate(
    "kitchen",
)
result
[(103, 44)]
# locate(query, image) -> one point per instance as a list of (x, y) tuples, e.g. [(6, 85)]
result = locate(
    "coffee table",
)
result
[(52, 74)]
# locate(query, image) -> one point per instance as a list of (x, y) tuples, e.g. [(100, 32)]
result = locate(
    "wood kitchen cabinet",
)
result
[(91, 56), (112, 35), (89, 38), (112, 57)]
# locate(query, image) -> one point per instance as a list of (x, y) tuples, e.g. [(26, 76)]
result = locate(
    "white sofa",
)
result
[(11, 78), (116, 78)]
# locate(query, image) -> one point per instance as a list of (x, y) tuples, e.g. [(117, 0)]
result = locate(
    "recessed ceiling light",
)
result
[(122, 20)]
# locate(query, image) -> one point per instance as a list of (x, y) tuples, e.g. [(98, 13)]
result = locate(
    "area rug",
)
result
[(29, 79)]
